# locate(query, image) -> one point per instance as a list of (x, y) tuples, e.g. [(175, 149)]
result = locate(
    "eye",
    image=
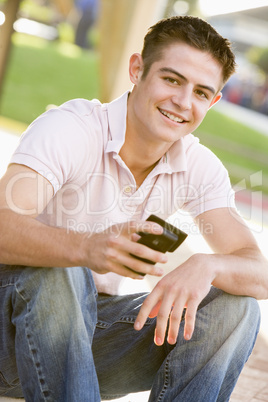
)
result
[(171, 80), (201, 93)]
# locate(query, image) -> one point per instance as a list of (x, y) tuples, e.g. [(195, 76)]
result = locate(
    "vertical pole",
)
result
[(145, 14), (115, 16), (123, 24), (6, 30), (64, 6)]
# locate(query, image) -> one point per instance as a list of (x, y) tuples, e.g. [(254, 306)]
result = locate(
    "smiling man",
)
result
[(79, 187)]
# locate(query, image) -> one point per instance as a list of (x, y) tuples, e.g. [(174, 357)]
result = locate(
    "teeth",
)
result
[(171, 116)]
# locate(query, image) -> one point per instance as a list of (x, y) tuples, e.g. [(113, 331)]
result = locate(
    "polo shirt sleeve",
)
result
[(208, 182), (57, 144)]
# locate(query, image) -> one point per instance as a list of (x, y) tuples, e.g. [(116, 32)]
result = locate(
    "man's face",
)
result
[(172, 100)]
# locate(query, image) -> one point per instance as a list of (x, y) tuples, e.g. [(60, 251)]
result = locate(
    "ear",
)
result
[(216, 99), (135, 68)]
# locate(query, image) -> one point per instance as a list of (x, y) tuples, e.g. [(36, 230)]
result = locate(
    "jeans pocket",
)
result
[(7, 385), (9, 378), (123, 320), (119, 309)]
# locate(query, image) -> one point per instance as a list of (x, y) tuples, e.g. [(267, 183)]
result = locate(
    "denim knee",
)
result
[(225, 332), (250, 308), (55, 314), (55, 293), (245, 312), (224, 309)]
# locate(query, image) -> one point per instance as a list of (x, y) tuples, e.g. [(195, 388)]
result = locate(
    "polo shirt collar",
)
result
[(176, 156), (117, 120), (174, 160)]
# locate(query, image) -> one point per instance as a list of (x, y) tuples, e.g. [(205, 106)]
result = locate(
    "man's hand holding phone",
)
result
[(117, 250), (131, 249), (169, 240)]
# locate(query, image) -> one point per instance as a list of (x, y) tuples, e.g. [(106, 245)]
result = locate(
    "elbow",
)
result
[(262, 283)]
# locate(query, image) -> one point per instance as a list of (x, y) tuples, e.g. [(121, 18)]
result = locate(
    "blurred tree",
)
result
[(6, 30), (263, 61), (193, 7), (64, 6), (259, 56)]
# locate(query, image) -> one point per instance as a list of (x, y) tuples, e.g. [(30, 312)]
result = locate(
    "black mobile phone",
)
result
[(171, 238)]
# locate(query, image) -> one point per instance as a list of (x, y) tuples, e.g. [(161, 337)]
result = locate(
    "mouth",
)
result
[(171, 116)]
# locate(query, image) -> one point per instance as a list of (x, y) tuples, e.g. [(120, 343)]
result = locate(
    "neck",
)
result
[(140, 157), (139, 167), (140, 152)]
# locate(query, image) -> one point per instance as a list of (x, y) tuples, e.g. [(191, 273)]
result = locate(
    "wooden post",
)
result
[(115, 16), (64, 6), (123, 24), (6, 30)]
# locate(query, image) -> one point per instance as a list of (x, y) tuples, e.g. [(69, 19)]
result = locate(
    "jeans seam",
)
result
[(166, 381), (33, 349)]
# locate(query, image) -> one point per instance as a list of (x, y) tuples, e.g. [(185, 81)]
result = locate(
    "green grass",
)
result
[(243, 151), (42, 73), (226, 128), (239, 160)]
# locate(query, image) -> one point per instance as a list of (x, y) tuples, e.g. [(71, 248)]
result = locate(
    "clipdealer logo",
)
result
[(249, 198)]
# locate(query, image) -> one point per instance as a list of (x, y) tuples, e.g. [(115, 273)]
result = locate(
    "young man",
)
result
[(79, 187)]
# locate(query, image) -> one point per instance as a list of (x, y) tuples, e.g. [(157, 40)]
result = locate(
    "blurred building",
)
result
[(246, 29)]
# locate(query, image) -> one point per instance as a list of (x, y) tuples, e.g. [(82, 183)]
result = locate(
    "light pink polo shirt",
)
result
[(76, 146)]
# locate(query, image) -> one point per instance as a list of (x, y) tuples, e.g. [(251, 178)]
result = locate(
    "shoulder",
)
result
[(192, 146), (207, 178), (200, 158), (81, 107), (78, 113), (65, 141), (78, 119)]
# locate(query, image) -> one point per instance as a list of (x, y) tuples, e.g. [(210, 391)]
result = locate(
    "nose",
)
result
[(183, 98)]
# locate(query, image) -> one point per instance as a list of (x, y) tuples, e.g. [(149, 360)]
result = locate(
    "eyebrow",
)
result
[(170, 70)]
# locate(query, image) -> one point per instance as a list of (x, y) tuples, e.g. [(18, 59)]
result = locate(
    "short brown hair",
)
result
[(193, 31)]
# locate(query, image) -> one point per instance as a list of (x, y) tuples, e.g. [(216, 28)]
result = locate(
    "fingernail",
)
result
[(187, 337), (157, 229), (159, 271), (158, 341), (137, 326), (172, 341), (164, 258)]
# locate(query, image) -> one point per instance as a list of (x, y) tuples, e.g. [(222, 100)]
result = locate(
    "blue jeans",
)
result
[(60, 341)]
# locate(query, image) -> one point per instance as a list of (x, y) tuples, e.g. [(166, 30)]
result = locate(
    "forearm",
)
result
[(25, 241), (243, 272)]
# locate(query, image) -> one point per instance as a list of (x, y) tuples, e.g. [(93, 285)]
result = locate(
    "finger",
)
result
[(144, 226), (190, 317), (113, 266), (147, 306), (142, 251), (115, 262), (174, 322), (133, 249), (135, 237), (162, 321), (155, 310), (141, 267)]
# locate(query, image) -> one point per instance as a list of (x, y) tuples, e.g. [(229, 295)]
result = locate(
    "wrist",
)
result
[(77, 248), (208, 264)]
